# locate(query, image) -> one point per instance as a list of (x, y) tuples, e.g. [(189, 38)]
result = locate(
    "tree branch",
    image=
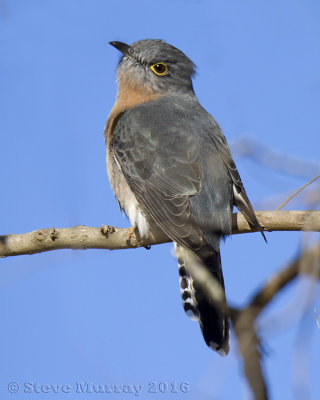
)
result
[(82, 237), (307, 263), (243, 320)]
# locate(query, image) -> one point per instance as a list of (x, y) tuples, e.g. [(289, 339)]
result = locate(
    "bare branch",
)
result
[(297, 191), (244, 320), (82, 237), (279, 221), (310, 257), (316, 315), (272, 158)]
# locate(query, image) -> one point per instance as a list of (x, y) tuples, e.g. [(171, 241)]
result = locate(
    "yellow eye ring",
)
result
[(159, 68)]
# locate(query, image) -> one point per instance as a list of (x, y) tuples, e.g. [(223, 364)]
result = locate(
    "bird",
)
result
[(172, 172)]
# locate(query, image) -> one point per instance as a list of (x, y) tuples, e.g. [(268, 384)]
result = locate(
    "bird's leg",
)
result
[(132, 230)]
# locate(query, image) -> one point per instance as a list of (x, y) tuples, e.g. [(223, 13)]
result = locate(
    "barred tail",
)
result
[(214, 325)]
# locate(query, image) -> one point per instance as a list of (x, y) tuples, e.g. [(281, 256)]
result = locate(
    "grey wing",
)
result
[(241, 200), (160, 162)]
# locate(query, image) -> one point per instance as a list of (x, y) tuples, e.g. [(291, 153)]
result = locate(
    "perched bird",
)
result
[(171, 170)]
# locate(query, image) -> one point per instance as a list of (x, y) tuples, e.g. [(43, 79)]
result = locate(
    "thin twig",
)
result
[(316, 315), (296, 192), (271, 158)]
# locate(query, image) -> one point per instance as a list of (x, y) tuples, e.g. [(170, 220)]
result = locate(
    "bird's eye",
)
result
[(159, 69)]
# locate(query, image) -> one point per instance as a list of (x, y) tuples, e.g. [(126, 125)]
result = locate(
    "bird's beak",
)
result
[(124, 48)]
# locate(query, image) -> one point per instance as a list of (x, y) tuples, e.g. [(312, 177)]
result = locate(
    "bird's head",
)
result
[(154, 65)]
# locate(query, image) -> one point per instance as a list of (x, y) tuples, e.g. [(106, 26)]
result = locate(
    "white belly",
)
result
[(136, 217), (126, 198)]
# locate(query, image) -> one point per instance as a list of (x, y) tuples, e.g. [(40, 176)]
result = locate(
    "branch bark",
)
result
[(82, 237)]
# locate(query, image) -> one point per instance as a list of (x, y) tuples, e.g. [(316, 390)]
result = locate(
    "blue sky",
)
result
[(115, 317)]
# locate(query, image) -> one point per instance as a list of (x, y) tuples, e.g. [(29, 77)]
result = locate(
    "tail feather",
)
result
[(214, 325)]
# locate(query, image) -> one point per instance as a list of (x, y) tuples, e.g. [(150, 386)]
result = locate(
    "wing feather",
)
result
[(162, 176), (241, 200)]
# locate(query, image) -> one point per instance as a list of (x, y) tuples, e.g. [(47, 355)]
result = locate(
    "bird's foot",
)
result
[(132, 230)]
